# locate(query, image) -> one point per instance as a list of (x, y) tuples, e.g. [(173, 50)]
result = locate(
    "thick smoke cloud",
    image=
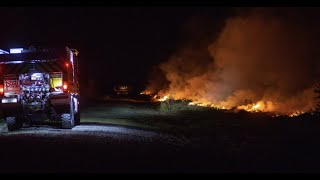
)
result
[(264, 54)]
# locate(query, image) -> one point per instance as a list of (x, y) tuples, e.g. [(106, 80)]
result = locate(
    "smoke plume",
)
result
[(264, 54)]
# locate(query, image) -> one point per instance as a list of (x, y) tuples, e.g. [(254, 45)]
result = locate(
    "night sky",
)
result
[(116, 44)]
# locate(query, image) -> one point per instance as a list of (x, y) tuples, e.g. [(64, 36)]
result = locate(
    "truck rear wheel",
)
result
[(13, 123), (67, 120)]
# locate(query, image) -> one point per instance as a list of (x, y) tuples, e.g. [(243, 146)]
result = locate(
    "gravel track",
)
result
[(88, 148)]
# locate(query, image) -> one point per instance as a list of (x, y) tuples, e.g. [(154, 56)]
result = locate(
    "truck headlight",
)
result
[(9, 100)]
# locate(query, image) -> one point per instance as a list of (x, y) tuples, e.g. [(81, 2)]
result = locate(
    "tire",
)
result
[(13, 123), (68, 119)]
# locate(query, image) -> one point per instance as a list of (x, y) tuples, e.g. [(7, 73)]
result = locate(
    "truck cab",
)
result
[(39, 84)]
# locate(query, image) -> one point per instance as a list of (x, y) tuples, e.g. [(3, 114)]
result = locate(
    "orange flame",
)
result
[(164, 98), (260, 106), (145, 93), (256, 107)]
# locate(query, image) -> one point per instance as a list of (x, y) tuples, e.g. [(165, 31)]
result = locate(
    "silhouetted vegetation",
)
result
[(317, 92)]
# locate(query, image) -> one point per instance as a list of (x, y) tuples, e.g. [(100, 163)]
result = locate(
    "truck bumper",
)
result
[(11, 108)]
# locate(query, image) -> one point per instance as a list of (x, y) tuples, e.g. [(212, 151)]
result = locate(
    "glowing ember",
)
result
[(255, 107), (164, 98), (260, 106), (297, 113), (145, 93), (204, 104)]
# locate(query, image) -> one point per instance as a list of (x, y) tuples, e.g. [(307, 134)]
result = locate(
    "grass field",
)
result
[(197, 121), (254, 141)]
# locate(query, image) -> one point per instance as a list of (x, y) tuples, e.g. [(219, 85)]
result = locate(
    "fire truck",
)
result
[(39, 84)]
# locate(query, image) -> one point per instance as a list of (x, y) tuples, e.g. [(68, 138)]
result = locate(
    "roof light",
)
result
[(16, 50)]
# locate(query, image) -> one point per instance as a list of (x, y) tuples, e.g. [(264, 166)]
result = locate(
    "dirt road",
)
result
[(88, 148)]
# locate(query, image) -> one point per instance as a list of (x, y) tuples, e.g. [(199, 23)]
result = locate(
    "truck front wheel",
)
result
[(13, 123)]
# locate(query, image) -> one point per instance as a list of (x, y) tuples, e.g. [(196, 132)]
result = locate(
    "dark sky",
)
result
[(115, 44)]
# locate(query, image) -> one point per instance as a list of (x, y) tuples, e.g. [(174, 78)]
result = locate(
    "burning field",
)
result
[(265, 59)]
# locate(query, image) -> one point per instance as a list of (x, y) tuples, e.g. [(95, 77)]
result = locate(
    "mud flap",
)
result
[(3, 126)]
